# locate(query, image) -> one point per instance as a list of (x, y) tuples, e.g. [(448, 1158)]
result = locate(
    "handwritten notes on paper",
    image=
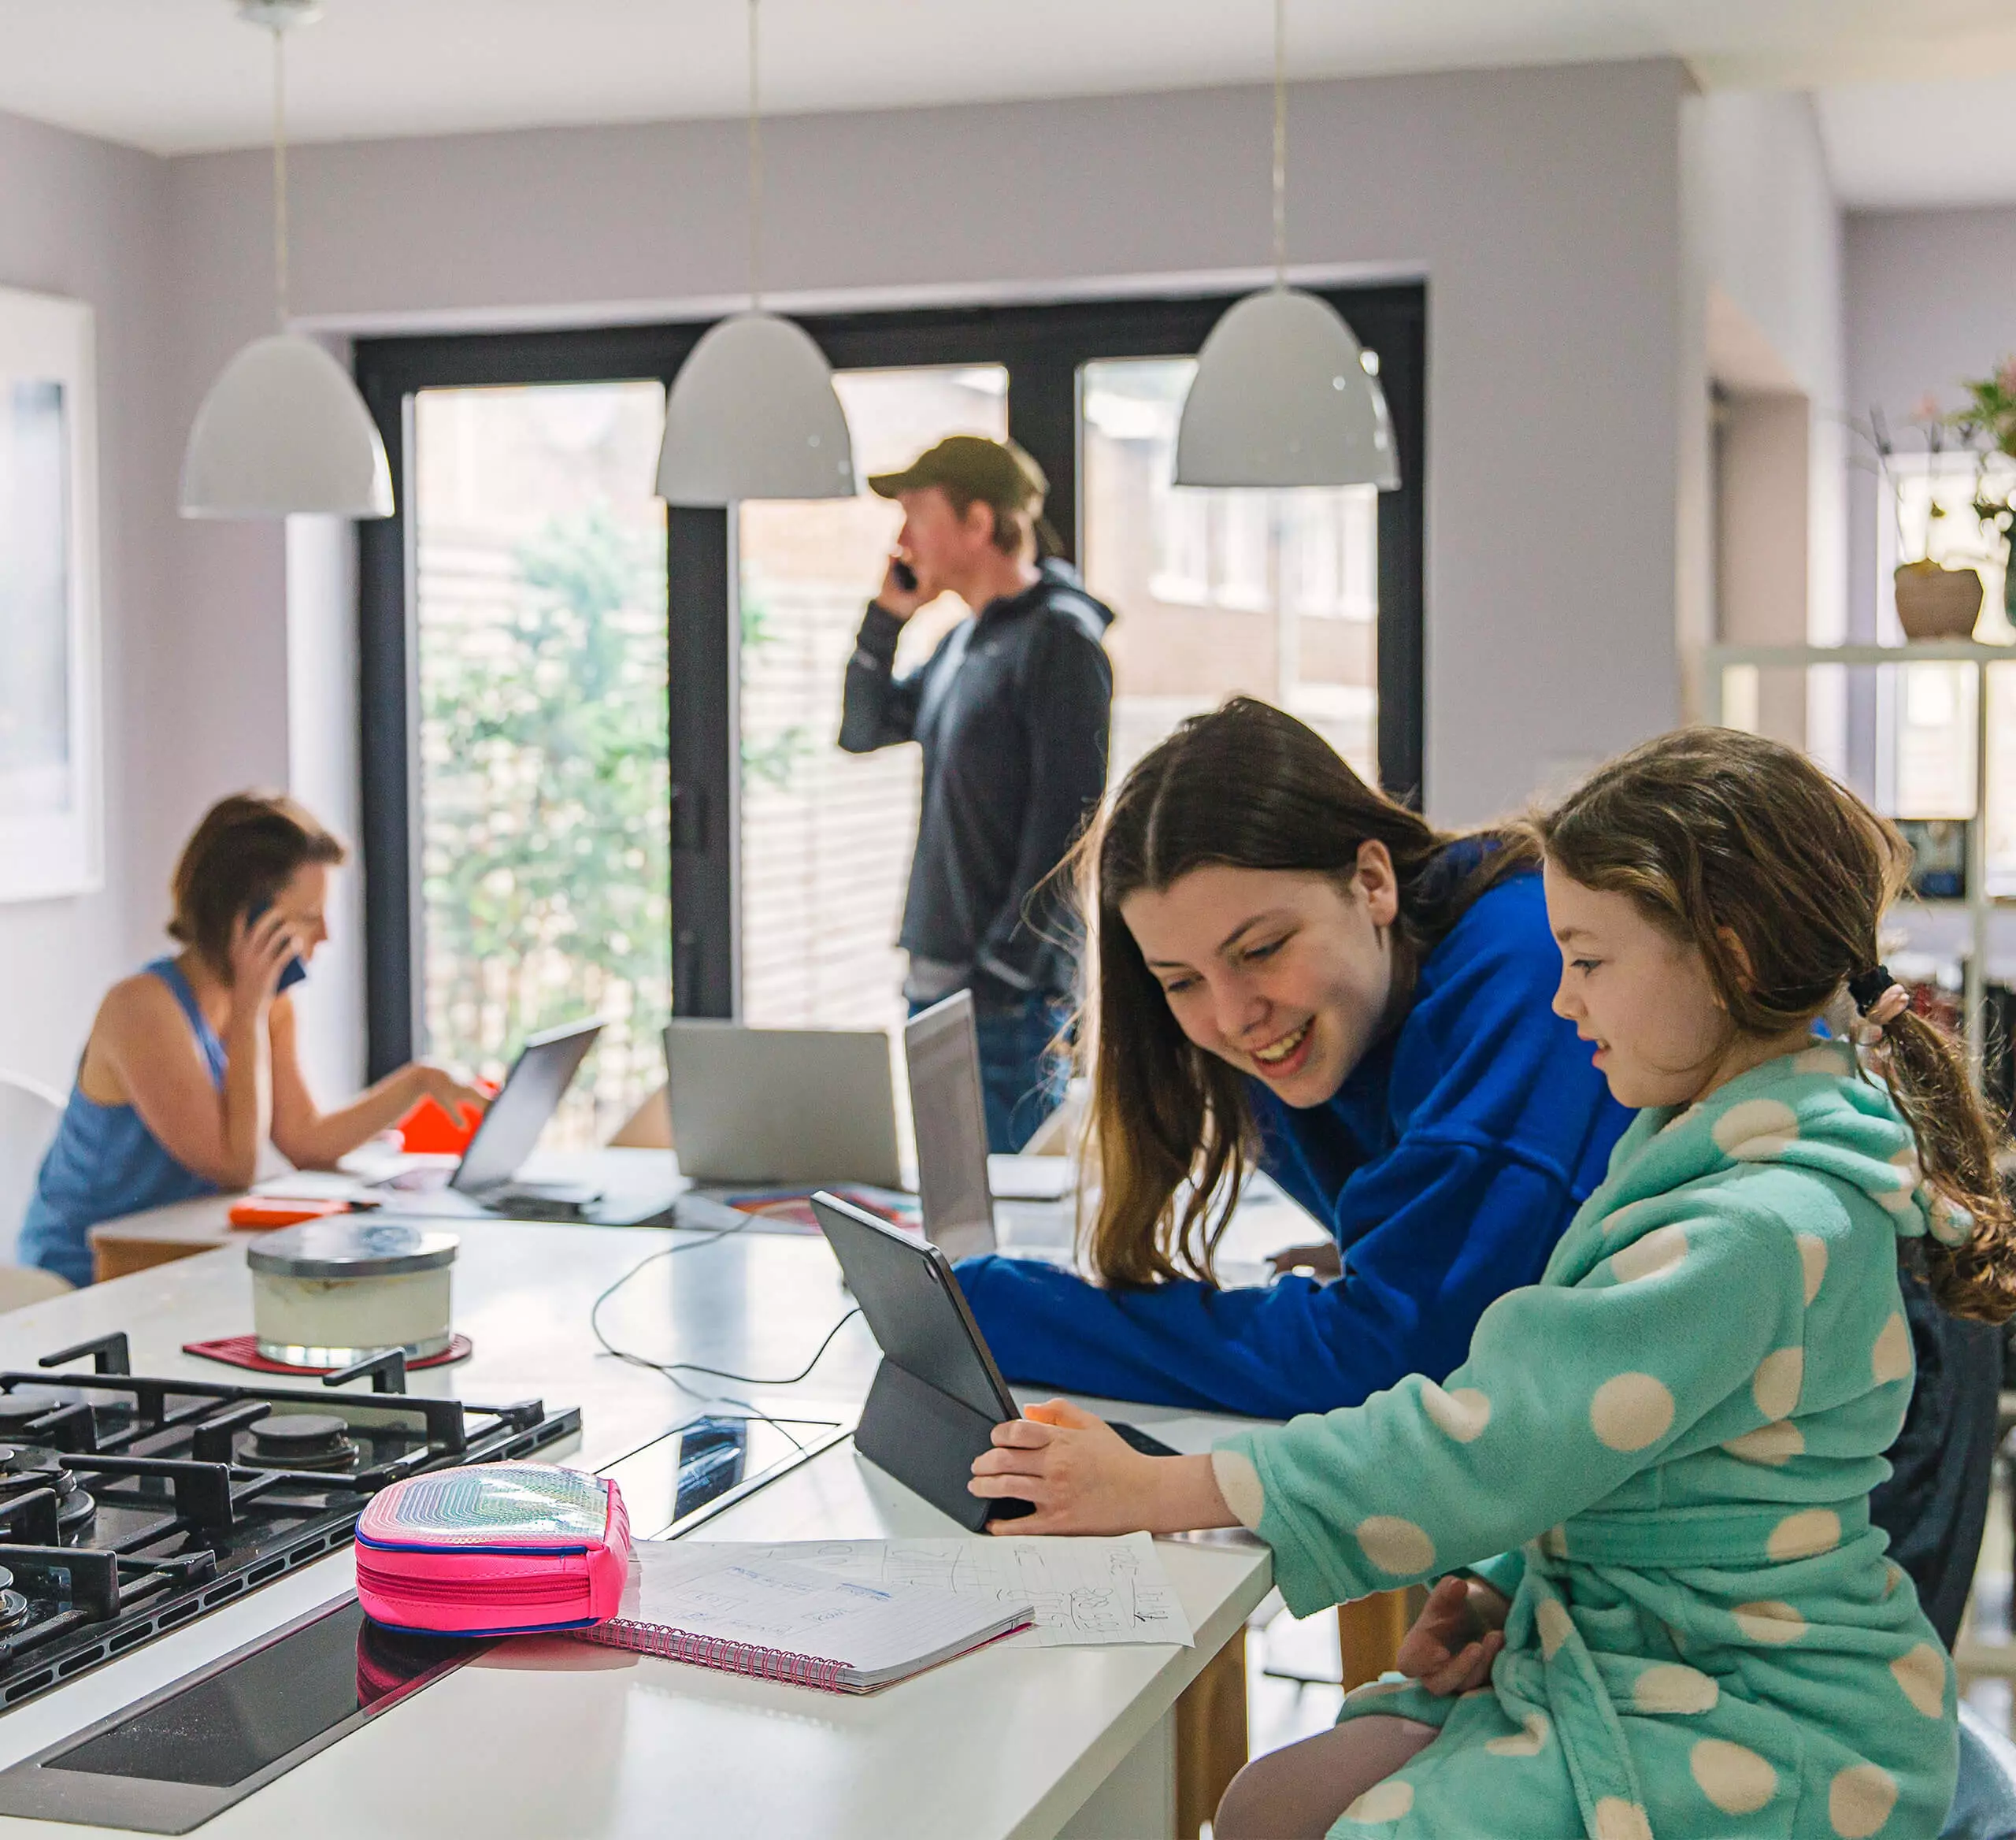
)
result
[(1085, 1592)]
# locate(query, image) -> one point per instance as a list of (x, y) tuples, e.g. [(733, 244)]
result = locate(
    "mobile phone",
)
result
[(293, 971), (906, 576)]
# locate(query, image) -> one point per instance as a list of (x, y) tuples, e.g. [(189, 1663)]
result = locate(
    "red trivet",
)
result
[(243, 1350)]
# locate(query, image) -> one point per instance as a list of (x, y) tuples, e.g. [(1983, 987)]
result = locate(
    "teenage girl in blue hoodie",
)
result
[(1661, 1605), (1289, 969), (1292, 970)]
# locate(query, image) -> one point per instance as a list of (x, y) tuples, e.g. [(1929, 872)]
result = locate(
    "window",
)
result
[(1272, 593), (540, 638), (598, 737), (826, 836), (1926, 713)]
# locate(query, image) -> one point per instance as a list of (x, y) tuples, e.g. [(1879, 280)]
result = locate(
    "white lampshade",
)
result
[(1282, 398), (284, 429), (753, 414)]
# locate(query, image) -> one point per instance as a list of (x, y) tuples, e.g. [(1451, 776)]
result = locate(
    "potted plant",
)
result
[(1934, 601), (1988, 425)]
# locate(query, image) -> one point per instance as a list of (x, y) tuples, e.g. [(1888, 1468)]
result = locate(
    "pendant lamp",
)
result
[(1284, 395), (753, 413), (282, 429)]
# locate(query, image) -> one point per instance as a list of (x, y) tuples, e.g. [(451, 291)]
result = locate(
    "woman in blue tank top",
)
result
[(191, 1064)]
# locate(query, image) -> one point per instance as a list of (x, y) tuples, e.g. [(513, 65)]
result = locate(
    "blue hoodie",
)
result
[(1446, 1167)]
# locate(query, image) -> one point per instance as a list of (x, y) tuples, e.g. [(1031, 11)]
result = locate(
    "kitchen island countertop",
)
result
[(550, 1737)]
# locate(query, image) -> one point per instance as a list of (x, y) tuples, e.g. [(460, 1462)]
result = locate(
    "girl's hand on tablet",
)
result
[(1456, 1639), (1085, 1478)]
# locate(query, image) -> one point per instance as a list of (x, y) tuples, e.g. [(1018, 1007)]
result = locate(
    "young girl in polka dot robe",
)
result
[(1662, 1609)]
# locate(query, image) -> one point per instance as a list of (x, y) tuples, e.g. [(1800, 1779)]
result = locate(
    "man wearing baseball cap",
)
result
[(1011, 712)]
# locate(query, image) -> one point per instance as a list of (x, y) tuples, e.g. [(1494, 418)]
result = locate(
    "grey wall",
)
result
[(1542, 205), (84, 219), (1769, 230), (1774, 230), (1770, 236)]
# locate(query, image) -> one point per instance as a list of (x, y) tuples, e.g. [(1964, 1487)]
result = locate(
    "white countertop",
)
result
[(547, 1737)]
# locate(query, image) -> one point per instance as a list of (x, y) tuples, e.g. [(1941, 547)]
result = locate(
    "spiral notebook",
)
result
[(770, 1617)]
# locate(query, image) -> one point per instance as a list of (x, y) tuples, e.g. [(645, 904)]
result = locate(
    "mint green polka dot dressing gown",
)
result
[(1663, 1454)]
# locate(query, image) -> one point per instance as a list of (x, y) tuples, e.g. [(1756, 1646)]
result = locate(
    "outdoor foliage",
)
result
[(546, 865), (768, 758)]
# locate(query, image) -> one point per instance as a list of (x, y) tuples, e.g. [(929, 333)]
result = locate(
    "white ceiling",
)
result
[(1901, 145), (180, 75)]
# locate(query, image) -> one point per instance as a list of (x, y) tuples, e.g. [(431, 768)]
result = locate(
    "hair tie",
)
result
[(1879, 999), (1869, 988)]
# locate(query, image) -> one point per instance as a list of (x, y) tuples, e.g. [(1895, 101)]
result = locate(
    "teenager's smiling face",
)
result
[(1645, 1000), (1286, 974)]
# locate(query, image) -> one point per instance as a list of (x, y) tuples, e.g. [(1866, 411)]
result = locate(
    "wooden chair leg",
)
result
[(1210, 1736), (1369, 1633)]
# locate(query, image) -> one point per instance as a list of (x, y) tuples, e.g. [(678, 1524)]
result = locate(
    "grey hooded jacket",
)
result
[(1011, 711)]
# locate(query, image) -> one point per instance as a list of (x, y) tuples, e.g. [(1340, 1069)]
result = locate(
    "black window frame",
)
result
[(1044, 347)]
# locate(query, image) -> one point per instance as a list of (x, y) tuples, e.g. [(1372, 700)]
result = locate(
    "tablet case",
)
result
[(928, 1440), (913, 1425)]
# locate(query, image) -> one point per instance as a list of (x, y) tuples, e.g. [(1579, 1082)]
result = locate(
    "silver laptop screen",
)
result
[(538, 1080), (943, 1051)]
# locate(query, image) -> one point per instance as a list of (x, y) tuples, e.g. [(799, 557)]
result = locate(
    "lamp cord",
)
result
[(279, 174), (1280, 142), (755, 173)]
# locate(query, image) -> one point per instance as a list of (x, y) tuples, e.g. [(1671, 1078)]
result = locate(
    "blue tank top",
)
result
[(105, 1162)]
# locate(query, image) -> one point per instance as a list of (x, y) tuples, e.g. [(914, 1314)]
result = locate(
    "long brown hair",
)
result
[(1245, 787), (246, 851), (1723, 839)]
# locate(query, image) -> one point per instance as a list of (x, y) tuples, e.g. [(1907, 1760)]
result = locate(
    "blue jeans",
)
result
[(1021, 1081), (1022, 1078)]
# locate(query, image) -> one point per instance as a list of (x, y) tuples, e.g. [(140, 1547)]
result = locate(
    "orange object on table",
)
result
[(430, 1129), (262, 1211)]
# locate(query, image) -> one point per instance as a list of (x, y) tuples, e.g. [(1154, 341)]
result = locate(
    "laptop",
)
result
[(775, 1107), (941, 1047), (484, 1182)]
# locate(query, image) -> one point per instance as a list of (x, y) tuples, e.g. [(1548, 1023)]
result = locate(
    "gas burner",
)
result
[(304, 1441), (22, 1467), (14, 1606)]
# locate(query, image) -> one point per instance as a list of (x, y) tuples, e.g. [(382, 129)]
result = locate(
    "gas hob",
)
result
[(130, 1505)]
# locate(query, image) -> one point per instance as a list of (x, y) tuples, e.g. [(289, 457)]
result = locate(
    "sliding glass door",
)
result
[(600, 764), (541, 793), (825, 836), (1275, 594)]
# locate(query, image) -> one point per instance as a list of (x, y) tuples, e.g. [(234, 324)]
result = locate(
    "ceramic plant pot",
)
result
[(1934, 602)]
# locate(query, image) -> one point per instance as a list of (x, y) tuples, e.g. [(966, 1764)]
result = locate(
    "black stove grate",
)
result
[(131, 1503)]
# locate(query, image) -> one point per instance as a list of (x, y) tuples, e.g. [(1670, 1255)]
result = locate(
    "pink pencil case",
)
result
[(502, 1548)]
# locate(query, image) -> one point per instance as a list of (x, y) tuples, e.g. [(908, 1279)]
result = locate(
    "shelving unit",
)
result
[(1716, 661)]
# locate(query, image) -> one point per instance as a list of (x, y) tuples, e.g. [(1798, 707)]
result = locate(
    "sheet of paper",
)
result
[(1086, 1593), (739, 1595), (310, 1185)]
